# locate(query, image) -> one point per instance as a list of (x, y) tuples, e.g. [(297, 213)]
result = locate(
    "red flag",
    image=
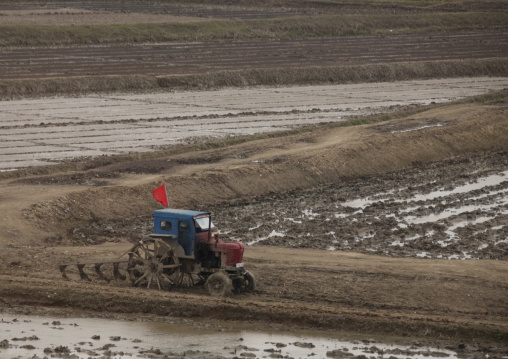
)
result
[(159, 194)]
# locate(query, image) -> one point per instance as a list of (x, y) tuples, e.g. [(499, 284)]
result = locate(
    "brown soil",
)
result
[(93, 66), (175, 60), (133, 12), (43, 12), (364, 287), (19, 88), (297, 185), (67, 16)]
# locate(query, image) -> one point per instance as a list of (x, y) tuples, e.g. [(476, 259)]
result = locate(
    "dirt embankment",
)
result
[(10, 89), (327, 154)]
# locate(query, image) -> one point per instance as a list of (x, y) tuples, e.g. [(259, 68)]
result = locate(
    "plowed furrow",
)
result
[(171, 59)]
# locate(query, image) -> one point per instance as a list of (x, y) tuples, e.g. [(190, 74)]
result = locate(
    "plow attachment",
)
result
[(97, 265)]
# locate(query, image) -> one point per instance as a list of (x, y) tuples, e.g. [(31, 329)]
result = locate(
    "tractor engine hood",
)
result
[(232, 252)]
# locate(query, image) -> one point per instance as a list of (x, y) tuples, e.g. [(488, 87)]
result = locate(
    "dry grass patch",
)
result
[(256, 77), (219, 30)]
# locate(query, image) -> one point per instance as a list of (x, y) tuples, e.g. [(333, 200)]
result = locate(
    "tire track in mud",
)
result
[(197, 58)]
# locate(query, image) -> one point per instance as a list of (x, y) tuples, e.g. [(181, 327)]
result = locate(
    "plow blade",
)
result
[(97, 265)]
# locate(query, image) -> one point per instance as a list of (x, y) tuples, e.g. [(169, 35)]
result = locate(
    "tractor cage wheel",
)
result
[(153, 262)]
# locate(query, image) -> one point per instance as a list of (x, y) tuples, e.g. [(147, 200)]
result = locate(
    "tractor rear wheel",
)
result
[(187, 275), (152, 262), (219, 285)]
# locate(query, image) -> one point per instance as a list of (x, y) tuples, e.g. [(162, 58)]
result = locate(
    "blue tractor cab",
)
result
[(187, 226)]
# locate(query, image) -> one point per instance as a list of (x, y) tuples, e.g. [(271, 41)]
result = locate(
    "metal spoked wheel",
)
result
[(187, 275), (219, 285), (152, 262), (184, 279)]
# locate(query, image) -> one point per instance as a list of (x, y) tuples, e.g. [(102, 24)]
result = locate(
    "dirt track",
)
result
[(197, 58), (363, 295)]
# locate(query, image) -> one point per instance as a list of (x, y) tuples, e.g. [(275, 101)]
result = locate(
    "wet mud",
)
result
[(457, 209), (417, 251), (74, 337), (41, 132)]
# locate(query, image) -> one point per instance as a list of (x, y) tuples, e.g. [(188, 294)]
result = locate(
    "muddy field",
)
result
[(376, 227), (456, 210), (172, 338), (48, 131), (346, 230), (199, 58), (359, 230)]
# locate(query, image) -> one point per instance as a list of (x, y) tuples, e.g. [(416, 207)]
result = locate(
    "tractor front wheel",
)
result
[(245, 283), (250, 281), (219, 285)]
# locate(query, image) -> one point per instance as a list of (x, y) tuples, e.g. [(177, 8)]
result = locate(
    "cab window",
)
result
[(203, 224), (166, 225), (183, 227)]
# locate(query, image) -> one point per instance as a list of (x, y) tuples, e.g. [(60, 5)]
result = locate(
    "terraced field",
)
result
[(358, 149), (48, 131), (199, 58)]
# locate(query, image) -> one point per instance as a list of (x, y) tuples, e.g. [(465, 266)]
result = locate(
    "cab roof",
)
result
[(180, 213)]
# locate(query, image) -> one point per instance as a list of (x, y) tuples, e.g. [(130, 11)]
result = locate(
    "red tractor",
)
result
[(183, 250)]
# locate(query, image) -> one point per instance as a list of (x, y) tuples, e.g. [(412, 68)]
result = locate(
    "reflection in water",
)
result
[(30, 336)]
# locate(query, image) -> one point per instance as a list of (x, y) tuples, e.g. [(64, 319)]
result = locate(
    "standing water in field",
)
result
[(39, 336)]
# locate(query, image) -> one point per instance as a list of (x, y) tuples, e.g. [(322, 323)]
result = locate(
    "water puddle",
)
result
[(273, 233), (29, 336), (481, 183), (419, 128), (489, 181)]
